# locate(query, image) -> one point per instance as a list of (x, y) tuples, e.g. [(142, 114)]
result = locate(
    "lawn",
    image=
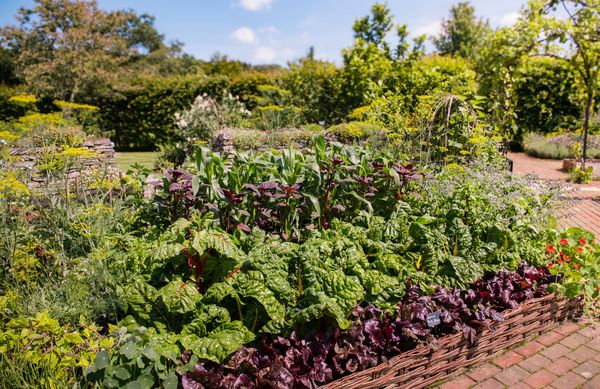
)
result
[(126, 159)]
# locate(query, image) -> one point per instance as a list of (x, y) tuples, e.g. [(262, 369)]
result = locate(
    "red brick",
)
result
[(567, 328), (490, 384), (460, 382), (520, 385), (582, 354), (574, 340), (589, 332), (593, 384), (483, 372), (561, 366), (594, 343), (568, 381), (511, 375), (529, 349), (535, 363), (540, 379), (556, 351), (549, 338), (588, 369), (507, 359)]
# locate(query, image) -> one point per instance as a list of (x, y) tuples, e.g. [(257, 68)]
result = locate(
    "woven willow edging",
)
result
[(423, 366)]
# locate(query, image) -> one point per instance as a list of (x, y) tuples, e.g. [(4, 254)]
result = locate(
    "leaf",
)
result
[(167, 250), (102, 360), (220, 343), (145, 381), (316, 204), (195, 185), (141, 298), (315, 305), (129, 350), (179, 297), (122, 373), (253, 285), (171, 382)]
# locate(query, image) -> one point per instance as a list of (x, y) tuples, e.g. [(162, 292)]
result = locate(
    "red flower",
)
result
[(582, 241), (576, 267), (549, 265), (567, 258), (579, 249), (564, 241), (560, 261), (550, 249)]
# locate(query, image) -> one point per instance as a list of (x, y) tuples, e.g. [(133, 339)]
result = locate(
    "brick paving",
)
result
[(569, 356), (571, 359), (581, 201)]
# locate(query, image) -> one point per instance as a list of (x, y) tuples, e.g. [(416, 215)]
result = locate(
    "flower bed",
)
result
[(430, 337), (423, 366)]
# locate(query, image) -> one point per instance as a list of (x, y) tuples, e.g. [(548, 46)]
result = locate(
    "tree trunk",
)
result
[(586, 124)]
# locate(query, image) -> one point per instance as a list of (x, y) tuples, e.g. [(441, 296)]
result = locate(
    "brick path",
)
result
[(582, 202), (569, 356)]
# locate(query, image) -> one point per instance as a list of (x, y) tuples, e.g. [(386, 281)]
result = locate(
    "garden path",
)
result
[(569, 356), (582, 201)]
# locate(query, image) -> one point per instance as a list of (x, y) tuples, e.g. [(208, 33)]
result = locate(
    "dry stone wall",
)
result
[(29, 157)]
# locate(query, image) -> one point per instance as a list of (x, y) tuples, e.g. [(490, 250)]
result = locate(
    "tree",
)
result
[(7, 67), (374, 29), (370, 66), (72, 50), (462, 34), (569, 30)]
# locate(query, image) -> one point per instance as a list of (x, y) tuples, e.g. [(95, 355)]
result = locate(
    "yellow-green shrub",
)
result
[(347, 132)]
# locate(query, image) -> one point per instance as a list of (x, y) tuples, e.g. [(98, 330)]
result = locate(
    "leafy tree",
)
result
[(313, 88), (72, 50), (7, 67), (462, 34), (501, 56), (370, 66), (569, 31), (373, 29)]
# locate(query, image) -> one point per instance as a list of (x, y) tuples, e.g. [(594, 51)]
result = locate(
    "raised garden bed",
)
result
[(424, 366)]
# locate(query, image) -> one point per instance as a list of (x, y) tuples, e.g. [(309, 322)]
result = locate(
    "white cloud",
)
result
[(509, 19), (265, 54), (431, 29), (244, 35), (255, 5)]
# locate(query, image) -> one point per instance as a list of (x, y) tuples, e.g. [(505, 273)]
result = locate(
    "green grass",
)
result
[(146, 158)]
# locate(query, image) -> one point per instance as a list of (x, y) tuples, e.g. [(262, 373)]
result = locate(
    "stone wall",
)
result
[(28, 158)]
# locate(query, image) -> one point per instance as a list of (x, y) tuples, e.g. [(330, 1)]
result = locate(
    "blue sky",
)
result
[(276, 31)]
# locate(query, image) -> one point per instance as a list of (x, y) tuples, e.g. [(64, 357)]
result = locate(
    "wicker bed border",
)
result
[(423, 366)]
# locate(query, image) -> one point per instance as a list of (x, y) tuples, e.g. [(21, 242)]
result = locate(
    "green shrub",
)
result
[(207, 115), (244, 140), (275, 117), (559, 146), (353, 131), (39, 352), (142, 116), (581, 176), (546, 96)]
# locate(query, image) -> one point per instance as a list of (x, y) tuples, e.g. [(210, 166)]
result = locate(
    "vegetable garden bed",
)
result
[(424, 366)]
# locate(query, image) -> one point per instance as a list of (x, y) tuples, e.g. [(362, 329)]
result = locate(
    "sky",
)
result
[(278, 31)]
